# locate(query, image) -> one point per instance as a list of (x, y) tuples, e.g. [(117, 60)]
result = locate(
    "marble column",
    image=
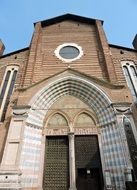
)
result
[(72, 171)]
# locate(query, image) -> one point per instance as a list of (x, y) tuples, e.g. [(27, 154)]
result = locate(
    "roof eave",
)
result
[(14, 52), (122, 47), (67, 17)]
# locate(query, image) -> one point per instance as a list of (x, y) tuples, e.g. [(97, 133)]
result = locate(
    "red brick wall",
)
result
[(43, 62)]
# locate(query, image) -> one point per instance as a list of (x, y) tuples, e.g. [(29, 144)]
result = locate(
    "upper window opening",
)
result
[(4, 87), (6, 90), (133, 71), (68, 52), (130, 73)]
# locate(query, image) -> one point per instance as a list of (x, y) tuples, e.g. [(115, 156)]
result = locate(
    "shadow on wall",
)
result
[(3, 136)]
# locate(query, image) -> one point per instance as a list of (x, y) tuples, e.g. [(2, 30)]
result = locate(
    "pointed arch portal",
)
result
[(75, 86), (92, 96)]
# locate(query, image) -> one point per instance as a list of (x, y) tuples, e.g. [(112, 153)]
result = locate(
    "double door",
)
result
[(88, 163)]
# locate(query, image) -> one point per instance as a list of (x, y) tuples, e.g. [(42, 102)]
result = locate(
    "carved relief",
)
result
[(51, 132), (122, 108), (74, 116), (77, 131), (86, 131)]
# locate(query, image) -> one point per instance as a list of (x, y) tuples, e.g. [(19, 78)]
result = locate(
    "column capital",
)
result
[(21, 111), (71, 133), (71, 136), (122, 108)]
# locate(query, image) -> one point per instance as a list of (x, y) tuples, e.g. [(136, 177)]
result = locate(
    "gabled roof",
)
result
[(14, 52), (122, 48), (67, 17)]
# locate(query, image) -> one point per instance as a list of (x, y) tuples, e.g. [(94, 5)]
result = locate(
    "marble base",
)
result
[(10, 179)]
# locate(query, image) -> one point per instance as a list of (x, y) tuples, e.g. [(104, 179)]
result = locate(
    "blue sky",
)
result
[(17, 18)]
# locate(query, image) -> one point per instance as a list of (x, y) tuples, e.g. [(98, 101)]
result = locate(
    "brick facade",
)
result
[(40, 68)]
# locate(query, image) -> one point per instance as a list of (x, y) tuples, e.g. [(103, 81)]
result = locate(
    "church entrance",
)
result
[(88, 163), (56, 171)]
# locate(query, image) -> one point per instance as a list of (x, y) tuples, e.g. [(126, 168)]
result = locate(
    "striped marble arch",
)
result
[(96, 99), (75, 86)]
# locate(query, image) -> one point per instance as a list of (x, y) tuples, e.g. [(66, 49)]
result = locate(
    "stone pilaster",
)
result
[(10, 174)]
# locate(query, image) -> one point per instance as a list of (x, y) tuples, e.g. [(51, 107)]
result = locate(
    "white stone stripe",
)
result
[(83, 96)]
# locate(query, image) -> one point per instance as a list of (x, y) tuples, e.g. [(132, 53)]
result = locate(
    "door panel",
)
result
[(88, 163), (88, 179), (56, 171)]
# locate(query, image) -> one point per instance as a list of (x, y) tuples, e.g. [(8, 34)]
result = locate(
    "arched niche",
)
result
[(57, 120), (84, 119)]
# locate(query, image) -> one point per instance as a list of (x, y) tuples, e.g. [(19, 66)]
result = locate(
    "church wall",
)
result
[(47, 39), (19, 59), (119, 55), (3, 135), (42, 73)]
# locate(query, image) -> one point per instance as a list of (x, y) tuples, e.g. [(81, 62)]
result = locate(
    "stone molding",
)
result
[(77, 131), (21, 111)]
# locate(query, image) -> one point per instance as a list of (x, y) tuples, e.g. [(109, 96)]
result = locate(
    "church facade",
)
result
[(68, 106)]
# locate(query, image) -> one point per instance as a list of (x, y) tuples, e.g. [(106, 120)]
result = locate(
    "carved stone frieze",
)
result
[(77, 131), (86, 131), (51, 132)]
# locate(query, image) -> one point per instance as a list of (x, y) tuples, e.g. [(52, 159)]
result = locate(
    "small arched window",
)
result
[(4, 86), (133, 70), (130, 74), (7, 89), (131, 143)]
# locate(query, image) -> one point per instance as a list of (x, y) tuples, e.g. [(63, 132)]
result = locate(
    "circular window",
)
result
[(68, 52)]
